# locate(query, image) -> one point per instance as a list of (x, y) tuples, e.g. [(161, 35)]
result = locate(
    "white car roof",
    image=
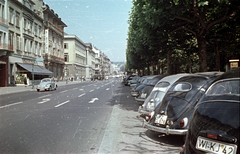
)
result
[(172, 78)]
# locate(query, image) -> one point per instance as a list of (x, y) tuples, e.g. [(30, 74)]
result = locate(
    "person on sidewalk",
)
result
[(25, 81)]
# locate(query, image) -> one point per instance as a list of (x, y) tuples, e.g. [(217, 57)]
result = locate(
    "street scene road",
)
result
[(81, 117)]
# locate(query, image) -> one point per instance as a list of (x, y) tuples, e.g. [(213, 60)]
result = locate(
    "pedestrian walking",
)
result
[(25, 81)]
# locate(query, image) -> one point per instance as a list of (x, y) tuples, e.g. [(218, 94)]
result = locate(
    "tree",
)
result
[(192, 16)]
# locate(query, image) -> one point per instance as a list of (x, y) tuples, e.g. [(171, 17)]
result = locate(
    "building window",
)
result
[(40, 31), (40, 49), (11, 16), (10, 38), (18, 20), (36, 48), (18, 42), (25, 24), (65, 46), (66, 58), (30, 26), (35, 29)]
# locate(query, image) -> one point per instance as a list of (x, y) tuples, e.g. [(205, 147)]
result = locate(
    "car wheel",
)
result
[(56, 87), (37, 89)]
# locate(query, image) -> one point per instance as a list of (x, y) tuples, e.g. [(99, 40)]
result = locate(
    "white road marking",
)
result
[(91, 90), (93, 100), (45, 96), (80, 89), (62, 104), (10, 105), (107, 89), (74, 88), (63, 91), (98, 87), (44, 101), (81, 95)]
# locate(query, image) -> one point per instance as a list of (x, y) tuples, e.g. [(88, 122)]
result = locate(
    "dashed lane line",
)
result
[(62, 103), (45, 96), (64, 91), (10, 105), (81, 95)]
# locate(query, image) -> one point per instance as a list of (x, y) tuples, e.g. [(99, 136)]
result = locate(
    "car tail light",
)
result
[(184, 122), (150, 115), (212, 136)]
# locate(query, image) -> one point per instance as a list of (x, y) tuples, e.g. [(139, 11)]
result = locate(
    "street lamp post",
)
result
[(33, 74), (81, 73), (37, 60), (66, 74)]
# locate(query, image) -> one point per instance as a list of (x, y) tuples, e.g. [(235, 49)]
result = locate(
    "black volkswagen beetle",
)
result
[(173, 114), (136, 90), (215, 127), (148, 88)]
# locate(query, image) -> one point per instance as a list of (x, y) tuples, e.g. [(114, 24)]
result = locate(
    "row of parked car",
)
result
[(203, 107)]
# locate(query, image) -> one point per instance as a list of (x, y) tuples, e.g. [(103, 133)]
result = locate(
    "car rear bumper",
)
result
[(140, 99), (142, 111), (134, 94), (166, 130)]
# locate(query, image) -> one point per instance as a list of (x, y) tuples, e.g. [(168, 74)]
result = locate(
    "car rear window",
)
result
[(182, 87), (230, 87), (162, 86)]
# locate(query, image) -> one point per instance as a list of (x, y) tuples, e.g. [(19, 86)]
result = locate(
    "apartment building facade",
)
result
[(75, 57), (25, 35), (5, 48)]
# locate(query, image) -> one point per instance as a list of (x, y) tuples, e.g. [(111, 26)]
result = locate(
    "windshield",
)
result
[(229, 87), (46, 80)]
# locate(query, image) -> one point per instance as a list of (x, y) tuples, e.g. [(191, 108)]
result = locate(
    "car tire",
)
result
[(38, 90)]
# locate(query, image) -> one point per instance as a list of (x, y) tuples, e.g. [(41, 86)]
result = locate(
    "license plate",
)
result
[(161, 119), (213, 146), (143, 95)]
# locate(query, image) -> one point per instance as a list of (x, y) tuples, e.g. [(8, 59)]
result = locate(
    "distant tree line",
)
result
[(174, 36)]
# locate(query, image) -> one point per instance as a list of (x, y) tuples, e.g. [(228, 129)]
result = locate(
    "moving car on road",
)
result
[(47, 84), (215, 126)]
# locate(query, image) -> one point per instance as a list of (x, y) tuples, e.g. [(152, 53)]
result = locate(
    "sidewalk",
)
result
[(21, 87)]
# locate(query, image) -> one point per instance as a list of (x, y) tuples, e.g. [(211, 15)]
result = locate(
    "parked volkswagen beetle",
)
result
[(173, 114), (148, 88), (157, 94), (215, 126), (47, 84)]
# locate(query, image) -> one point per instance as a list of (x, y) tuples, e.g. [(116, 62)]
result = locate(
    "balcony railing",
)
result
[(6, 46), (4, 21)]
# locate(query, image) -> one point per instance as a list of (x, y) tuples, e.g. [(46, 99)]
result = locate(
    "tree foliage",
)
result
[(182, 31)]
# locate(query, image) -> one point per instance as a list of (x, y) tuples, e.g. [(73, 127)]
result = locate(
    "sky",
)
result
[(104, 23)]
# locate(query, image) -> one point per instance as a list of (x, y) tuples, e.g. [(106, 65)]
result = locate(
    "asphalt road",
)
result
[(89, 117)]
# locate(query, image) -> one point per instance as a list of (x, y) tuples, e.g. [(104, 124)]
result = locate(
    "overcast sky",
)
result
[(104, 23)]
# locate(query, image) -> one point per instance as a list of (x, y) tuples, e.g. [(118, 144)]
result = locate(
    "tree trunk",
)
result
[(143, 71), (202, 53), (169, 62), (148, 69), (154, 68), (217, 54)]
